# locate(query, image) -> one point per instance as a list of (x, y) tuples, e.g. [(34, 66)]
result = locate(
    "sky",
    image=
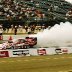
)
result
[(69, 1)]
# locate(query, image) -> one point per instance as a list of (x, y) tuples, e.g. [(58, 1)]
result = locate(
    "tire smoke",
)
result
[(58, 35)]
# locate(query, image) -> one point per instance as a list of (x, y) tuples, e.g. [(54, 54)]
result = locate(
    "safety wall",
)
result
[(35, 52), (19, 52), (4, 53), (6, 37)]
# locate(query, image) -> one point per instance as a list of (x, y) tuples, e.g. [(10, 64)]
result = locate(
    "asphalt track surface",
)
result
[(51, 63)]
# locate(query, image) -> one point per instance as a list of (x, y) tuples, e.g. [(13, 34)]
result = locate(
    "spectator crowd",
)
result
[(28, 11), (21, 29), (18, 10)]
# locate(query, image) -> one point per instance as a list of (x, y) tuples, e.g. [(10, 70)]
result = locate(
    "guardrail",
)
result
[(35, 52)]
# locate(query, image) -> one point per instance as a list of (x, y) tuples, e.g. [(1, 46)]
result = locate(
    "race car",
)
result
[(19, 43)]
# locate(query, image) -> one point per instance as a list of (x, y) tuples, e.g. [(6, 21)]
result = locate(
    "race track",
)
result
[(52, 63)]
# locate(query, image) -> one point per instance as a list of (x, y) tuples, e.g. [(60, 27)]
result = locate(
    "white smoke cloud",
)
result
[(69, 1), (59, 35)]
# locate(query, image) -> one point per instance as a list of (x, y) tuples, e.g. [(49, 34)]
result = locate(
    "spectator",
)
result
[(26, 28), (32, 28), (1, 30), (29, 30), (12, 28), (20, 28), (15, 31)]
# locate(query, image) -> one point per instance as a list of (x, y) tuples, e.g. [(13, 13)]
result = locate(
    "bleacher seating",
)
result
[(26, 10)]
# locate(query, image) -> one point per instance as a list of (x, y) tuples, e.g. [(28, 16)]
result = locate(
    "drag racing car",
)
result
[(20, 43)]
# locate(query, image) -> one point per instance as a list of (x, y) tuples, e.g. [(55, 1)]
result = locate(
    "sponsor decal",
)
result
[(64, 50), (4, 54), (21, 52), (41, 51), (58, 51), (61, 50)]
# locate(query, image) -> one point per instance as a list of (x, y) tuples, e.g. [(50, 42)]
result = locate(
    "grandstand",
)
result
[(48, 12)]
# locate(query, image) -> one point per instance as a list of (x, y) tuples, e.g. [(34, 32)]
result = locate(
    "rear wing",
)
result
[(34, 38)]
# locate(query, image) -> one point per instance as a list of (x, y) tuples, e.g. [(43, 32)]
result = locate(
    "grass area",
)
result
[(53, 63)]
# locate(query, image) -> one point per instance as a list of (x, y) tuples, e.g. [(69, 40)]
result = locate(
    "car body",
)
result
[(19, 43)]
